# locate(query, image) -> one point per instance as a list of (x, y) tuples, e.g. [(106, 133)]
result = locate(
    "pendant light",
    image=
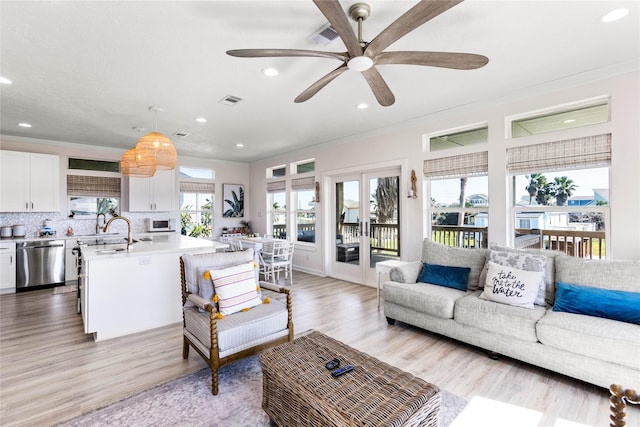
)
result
[(161, 147), (138, 163)]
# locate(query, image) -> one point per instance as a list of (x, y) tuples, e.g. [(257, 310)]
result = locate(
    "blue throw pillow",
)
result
[(442, 275), (609, 304)]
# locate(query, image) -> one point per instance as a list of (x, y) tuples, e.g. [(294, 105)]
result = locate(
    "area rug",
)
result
[(188, 401)]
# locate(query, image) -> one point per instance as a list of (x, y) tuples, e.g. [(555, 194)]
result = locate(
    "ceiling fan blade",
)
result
[(415, 17), (455, 60), (334, 13), (269, 53), (379, 87), (325, 80)]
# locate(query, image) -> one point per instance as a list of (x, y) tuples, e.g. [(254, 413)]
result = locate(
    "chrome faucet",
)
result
[(129, 239), (104, 220)]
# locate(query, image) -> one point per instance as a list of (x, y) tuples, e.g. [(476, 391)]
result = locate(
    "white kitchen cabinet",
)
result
[(7, 267), (156, 193), (70, 263), (29, 182)]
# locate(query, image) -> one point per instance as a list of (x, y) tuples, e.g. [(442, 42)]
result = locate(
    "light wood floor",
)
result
[(51, 372)]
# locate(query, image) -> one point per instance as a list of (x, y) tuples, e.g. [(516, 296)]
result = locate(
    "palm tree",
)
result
[(463, 188), (386, 199), (532, 186), (543, 194), (562, 188)]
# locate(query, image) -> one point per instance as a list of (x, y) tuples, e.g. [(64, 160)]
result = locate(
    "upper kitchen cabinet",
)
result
[(29, 182), (153, 194)]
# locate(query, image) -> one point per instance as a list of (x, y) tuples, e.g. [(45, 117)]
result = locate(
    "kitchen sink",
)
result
[(103, 241)]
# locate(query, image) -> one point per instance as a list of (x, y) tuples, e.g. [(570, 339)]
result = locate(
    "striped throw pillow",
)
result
[(236, 288)]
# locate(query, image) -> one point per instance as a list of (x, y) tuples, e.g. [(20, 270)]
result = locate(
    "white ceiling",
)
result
[(87, 71)]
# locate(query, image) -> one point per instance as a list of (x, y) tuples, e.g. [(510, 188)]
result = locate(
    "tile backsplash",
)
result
[(61, 223)]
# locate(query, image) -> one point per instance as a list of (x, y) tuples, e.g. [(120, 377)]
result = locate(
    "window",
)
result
[(561, 191), (458, 138), (304, 166), (278, 214), (276, 172), (196, 207), (197, 173), (559, 118), (458, 191), (93, 165), (305, 212)]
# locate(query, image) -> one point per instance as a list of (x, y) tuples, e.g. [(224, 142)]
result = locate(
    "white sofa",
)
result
[(597, 350)]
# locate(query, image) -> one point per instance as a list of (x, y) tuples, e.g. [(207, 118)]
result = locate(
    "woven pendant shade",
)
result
[(138, 163), (162, 148)]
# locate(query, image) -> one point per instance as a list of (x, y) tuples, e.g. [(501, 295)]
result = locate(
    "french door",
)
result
[(366, 218)]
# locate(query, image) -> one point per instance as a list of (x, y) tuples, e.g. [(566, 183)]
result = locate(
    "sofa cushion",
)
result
[(602, 339), (238, 328), (434, 300), (523, 261), (195, 265), (441, 275), (508, 285), (621, 275), (236, 288), (499, 318), (436, 253), (605, 303), (406, 273)]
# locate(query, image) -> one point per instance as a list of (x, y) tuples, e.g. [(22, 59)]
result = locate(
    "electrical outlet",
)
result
[(145, 260)]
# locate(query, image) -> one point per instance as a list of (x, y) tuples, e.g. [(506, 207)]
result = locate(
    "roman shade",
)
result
[(306, 183), (276, 186), (99, 186), (472, 164), (576, 153), (197, 187)]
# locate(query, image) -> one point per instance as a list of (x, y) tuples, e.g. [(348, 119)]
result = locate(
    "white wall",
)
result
[(403, 146)]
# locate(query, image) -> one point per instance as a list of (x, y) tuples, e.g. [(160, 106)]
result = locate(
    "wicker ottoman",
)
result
[(298, 390)]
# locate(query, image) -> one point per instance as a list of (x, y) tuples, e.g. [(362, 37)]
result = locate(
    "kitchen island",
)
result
[(125, 291)]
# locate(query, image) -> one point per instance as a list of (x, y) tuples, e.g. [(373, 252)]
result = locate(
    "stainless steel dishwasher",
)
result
[(39, 263)]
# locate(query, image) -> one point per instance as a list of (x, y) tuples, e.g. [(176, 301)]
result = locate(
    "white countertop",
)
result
[(165, 243)]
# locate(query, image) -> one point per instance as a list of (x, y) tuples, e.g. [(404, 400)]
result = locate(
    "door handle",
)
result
[(360, 228), (366, 229)]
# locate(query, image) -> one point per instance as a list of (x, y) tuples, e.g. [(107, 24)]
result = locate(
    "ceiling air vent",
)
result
[(181, 134), (230, 100), (324, 35)]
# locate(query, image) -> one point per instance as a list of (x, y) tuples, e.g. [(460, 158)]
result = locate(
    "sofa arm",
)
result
[(407, 273)]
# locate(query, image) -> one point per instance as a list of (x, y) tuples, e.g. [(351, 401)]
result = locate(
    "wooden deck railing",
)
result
[(581, 244), (463, 237)]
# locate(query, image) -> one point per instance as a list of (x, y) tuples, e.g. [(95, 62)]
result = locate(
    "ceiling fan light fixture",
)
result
[(360, 63), (615, 15), (270, 72)]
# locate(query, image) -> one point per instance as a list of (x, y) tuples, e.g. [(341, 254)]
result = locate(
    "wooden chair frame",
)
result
[(618, 400), (215, 362)]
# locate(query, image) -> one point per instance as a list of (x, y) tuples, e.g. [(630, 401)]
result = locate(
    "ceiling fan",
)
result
[(364, 56)]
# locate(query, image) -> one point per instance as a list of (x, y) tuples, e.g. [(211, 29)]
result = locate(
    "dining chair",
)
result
[(273, 259)]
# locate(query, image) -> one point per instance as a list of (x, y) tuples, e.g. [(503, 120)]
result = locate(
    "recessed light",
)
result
[(569, 121), (362, 106), (615, 14), (201, 120), (239, 145), (24, 125), (271, 72), (5, 80)]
